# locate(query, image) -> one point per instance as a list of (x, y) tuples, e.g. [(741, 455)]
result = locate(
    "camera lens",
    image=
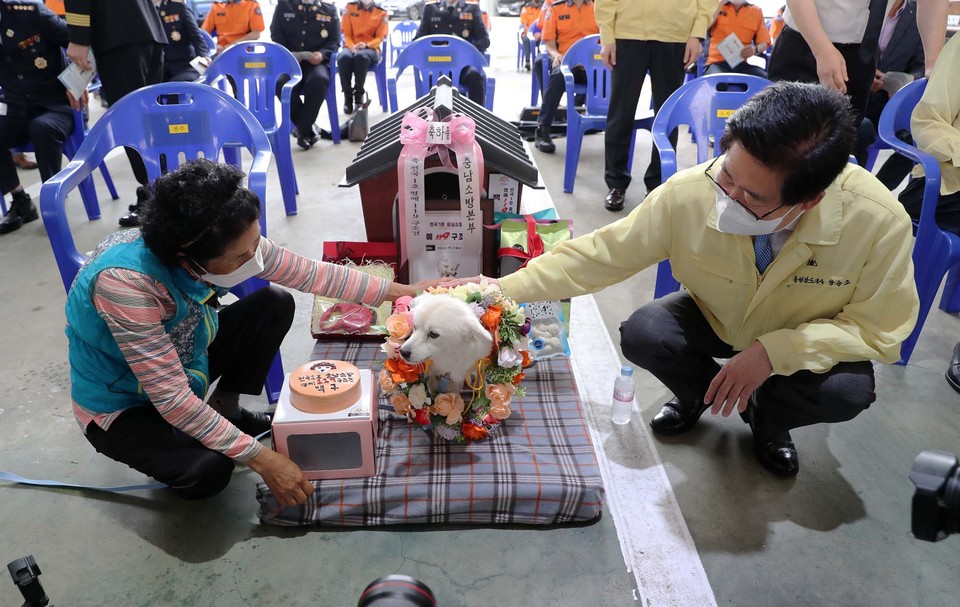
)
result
[(397, 591), (936, 502)]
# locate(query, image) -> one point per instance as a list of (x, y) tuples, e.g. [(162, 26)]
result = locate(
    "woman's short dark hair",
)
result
[(803, 131), (198, 209)]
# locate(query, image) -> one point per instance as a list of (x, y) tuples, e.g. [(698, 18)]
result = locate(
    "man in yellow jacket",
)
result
[(797, 269), (641, 37)]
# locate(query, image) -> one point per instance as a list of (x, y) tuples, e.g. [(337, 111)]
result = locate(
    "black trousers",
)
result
[(472, 79), (553, 93), (313, 87), (355, 64), (793, 60), (46, 129), (179, 71), (948, 207), (125, 69), (896, 167), (671, 339), (722, 67), (635, 58), (240, 356)]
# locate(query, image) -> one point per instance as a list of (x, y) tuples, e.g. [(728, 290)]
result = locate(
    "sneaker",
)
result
[(544, 142)]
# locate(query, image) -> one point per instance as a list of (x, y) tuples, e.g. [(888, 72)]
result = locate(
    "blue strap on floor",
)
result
[(16, 478)]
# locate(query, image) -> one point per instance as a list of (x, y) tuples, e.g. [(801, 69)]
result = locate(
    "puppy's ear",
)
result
[(477, 334)]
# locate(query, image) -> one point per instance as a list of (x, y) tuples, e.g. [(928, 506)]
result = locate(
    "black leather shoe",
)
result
[(544, 142), (773, 449), (615, 199), (311, 140), (348, 104), (953, 371), (130, 220), (253, 423), (676, 418)]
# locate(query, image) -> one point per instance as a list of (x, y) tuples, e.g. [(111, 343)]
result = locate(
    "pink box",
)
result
[(329, 445)]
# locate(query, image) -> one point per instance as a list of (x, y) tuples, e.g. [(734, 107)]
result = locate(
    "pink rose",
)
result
[(391, 347), (401, 404), (400, 326), (450, 405), (402, 304), (386, 382)]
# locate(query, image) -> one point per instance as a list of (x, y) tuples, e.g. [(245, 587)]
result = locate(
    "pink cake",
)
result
[(324, 386)]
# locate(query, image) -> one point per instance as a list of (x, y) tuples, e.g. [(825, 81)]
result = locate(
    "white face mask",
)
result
[(366, 3), (252, 267), (732, 218)]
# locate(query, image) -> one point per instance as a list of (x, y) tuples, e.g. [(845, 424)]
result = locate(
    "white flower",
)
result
[(477, 309), (507, 357), (418, 396)]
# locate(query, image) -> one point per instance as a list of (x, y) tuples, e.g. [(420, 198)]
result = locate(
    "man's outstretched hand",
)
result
[(738, 379)]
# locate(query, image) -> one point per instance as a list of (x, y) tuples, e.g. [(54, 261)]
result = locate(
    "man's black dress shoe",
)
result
[(253, 423), (773, 449), (615, 199), (676, 418), (953, 371)]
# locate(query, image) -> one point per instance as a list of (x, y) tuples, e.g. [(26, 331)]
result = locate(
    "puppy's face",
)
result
[(448, 332)]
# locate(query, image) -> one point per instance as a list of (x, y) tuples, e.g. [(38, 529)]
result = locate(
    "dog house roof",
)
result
[(503, 149)]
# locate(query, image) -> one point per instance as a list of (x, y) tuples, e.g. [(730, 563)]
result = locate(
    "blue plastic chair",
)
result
[(204, 122), (936, 252), (211, 43), (704, 109), (435, 56), (586, 52), (400, 37), (535, 92), (255, 69), (380, 73)]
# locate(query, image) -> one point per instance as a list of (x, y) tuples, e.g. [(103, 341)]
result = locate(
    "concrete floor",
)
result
[(836, 535)]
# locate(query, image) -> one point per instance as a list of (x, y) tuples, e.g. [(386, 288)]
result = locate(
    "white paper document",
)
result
[(75, 79), (730, 48)]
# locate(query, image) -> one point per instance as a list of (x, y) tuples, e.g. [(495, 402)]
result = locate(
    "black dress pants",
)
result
[(948, 205), (46, 129), (249, 336), (472, 79), (635, 58), (313, 87), (356, 65), (126, 69), (556, 86), (671, 339)]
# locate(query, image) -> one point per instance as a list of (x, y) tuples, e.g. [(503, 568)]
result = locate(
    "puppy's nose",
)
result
[(405, 353)]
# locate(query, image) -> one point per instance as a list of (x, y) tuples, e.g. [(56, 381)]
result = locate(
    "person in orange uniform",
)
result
[(56, 6), (776, 26), (234, 21), (746, 21), (364, 26), (567, 22), (528, 16)]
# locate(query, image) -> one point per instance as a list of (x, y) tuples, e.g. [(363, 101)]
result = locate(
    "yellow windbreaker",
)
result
[(841, 289), (671, 21)]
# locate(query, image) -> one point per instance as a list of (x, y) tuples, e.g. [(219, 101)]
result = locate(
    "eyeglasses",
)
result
[(726, 193)]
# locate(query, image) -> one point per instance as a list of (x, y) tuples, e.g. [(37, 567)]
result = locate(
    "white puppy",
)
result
[(448, 332)]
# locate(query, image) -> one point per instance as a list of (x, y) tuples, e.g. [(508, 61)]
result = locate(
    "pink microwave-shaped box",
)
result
[(329, 445)]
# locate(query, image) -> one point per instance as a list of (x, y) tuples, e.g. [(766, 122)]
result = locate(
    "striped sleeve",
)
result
[(77, 14), (286, 268), (134, 307)]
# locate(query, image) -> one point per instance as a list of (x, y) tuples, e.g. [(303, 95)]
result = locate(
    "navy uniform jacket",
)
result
[(104, 25), (460, 19), (306, 27), (185, 41), (31, 41)]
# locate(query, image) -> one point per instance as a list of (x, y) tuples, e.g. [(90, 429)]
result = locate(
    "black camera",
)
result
[(26, 575), (397, 591), (936, 502)]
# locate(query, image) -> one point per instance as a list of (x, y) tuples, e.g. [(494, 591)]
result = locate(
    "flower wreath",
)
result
[(492, 386)]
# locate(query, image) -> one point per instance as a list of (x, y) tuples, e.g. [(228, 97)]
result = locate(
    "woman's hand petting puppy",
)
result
[(282, 476), (401, 290), (456, 282)]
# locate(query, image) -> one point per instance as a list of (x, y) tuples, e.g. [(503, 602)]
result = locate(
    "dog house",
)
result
[(507, 163)]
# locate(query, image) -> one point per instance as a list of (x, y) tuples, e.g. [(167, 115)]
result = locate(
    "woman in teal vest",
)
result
[(147, 335)]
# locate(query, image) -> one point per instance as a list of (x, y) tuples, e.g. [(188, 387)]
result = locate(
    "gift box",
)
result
[(329, 445)]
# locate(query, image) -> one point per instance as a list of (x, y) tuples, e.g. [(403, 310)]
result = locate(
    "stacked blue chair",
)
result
[(255, 69), (203, 122), (400, 37), (704, 109), (936, 252), (435, 56)]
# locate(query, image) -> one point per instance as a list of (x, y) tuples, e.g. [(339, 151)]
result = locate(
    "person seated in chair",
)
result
[(796, 266), (900, 50), (185, 41), (364, 28), (310, 29), (567, 22), (232, 21), (528, 16), (147, 336), (37, 106), (935, 126), (463, 19), (746, 21)]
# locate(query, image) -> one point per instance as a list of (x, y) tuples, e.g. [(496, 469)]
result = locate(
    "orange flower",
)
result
[(519, 377), (491, 318), (526, 359), (386, 381), (472, 431), (403, 372), (400, 326), (401, 404)]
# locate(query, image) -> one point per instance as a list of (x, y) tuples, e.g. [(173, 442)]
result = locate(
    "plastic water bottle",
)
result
[(623, 391)]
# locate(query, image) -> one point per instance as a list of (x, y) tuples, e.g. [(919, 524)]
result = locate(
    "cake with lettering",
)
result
[(324, 386)]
